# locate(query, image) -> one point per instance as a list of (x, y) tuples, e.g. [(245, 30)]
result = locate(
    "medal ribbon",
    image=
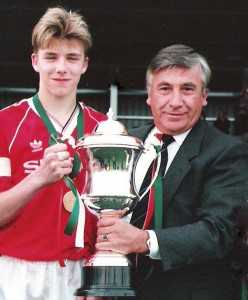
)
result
[(155, 203), (54, 138)]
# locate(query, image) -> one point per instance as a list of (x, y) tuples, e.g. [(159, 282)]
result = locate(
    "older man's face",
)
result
[(176, 99)]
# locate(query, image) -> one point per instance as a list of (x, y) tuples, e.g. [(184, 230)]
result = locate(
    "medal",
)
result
[(69, 201)]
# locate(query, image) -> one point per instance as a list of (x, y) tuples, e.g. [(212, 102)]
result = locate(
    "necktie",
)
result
[(167, 140), (140, 211)]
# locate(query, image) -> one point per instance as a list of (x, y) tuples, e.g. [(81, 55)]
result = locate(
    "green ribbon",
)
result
[(73, 219), (54, 138), (244, 288), (158, 197)]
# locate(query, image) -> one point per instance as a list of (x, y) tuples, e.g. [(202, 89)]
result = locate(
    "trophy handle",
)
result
[(158, 157)]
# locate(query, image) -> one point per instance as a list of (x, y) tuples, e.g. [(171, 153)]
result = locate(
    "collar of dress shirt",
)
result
[(174, 146), (178, 138), (149, 155)]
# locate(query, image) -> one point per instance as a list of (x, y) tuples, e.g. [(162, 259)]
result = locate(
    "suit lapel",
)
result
[(181, 164)]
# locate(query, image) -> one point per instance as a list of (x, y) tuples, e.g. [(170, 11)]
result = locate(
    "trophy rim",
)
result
[(110, 140)]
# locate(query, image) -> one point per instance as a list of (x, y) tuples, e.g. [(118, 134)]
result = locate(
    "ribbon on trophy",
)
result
[(155, 202), (151, 155), (77, 216)]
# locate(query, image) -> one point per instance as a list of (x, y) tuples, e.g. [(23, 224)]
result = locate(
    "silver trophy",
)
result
[(111, 156)]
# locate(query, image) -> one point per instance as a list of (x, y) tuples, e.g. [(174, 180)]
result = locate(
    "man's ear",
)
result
[(34, 60), (204, 98), (148, 101), (85, 65)]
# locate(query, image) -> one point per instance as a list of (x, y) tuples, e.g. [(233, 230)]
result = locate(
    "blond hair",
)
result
[(60, 23)]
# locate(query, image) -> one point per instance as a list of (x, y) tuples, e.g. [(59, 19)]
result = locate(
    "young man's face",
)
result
[(176, 99), (60, 66)]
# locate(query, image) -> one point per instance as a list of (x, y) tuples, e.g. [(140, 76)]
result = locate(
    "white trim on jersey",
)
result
[(17, 129), (87, 108), (5, 168), (15, 104)]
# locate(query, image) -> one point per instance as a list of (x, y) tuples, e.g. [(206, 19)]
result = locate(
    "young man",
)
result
[(186, 252), (41, 176)]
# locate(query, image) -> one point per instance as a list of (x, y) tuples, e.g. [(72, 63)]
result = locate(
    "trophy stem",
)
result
[(106, 274)]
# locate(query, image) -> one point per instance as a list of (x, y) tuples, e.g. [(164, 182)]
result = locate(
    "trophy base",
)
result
[(106, 274), (106, 281)]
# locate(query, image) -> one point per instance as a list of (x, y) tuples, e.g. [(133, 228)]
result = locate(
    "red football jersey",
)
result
[(37, 233)]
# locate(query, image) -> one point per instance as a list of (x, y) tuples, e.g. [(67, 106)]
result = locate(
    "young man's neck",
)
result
[(59, 107)]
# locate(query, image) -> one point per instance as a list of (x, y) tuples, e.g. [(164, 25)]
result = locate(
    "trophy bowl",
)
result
[(111, 156)]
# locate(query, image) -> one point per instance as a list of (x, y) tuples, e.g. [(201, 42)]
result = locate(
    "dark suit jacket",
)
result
[(203, 189)]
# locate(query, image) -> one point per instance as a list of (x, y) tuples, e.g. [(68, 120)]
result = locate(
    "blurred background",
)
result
[(126, 35)]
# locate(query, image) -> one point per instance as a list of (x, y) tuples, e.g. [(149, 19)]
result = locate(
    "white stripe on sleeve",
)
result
[(5, 168)]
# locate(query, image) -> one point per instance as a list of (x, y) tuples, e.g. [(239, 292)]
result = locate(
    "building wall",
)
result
[(132, 108)]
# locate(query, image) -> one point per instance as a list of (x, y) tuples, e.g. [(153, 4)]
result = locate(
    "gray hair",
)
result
[(178, 56)]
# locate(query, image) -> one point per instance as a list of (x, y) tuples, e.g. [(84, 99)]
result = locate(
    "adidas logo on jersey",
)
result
[(36, 146)]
